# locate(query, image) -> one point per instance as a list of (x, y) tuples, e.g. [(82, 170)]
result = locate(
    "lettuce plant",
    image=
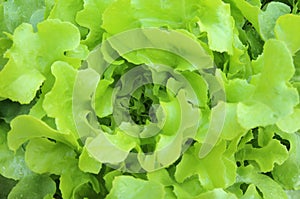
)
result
[(125, 99)]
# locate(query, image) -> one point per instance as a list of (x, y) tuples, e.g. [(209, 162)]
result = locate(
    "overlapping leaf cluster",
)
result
[(255, 46)]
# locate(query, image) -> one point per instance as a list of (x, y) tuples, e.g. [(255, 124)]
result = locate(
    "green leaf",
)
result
[(6, 186), (67, 11), (251, 12), (12, 164), (58, 102), (29, 67), (216, 194), (238, 90), (215, 19), (273, 97), (251, 193), (44, 156), (109, 178), (162, 176), (108, 148), (268, 18), (128, 187), (25, 127), (287, 29), (5, 44), (266, 157), (87, 163), (76, 184), (9, 110), (291, 179), (91, 17), (231, 128), (268, 187), (216, 170), (190, 188), (15, 12), (33, 186), (290, 123)]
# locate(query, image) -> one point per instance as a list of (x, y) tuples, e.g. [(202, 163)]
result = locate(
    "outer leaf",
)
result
[(109, 178), (58, 102), (127, 187), (215, 19), (87, 163), (214, 170), (238, 90), (290, 124), (43, 156), (273, 97), (75, 183), (9, 110), (28, 67), (25, 127), (291, 179), (251, 12), (216, 194), (269, 188), (190, 188), (4, 45), (33, 186), (268, 18), (67, 11), (251, 193), (108, 148), (265, 157), (231, 128), (287, 29), (16, 13), (12, 164), (6, 186), (91, 18)]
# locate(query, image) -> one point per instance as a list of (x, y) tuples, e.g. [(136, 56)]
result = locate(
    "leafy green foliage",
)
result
[(149, 99)]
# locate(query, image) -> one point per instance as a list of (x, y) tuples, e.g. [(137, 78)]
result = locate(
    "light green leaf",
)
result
[(268, 18), (214, 170), (16, 13), (231, 127), (290, 123), (238, 90), (266, 157), (127, 187), (287, 29), (44, 156), (288, 174), (216, 194), (91, 17), (251, 193), (28, 67), (215, 19), (109, 178), (87, 163), (76, 184), (190, 188), (273, 98), (251, 12), (269, 188), (58, 102), (67, 11), (25, 127), (107, 148)]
